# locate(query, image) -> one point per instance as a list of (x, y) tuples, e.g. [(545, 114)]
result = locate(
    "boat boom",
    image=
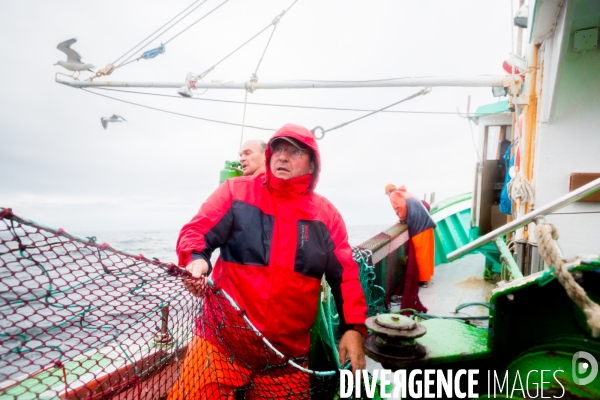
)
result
[(467, 81)]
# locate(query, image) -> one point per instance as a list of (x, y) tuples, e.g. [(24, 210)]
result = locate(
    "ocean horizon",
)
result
[(160, 243)]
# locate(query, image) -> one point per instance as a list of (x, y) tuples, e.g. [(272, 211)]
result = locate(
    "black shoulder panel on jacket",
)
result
[(315, 257), (248, 232), (314, 249)]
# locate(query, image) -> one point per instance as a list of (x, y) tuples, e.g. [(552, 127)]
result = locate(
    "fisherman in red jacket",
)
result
[(277, 240), (411, 211)]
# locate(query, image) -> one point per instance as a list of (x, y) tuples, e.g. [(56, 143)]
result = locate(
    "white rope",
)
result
[(270, 346), (546, 235), (520, 189)]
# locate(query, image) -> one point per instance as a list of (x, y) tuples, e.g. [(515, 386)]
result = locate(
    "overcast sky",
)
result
[(61, 168)]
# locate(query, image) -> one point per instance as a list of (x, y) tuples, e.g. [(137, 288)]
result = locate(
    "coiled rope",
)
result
[(546, 235), (520, 189)]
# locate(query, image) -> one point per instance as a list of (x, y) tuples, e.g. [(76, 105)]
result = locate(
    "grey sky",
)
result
[(61, 168)]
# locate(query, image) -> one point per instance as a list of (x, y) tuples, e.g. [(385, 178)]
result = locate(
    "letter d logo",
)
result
[(580, 368)]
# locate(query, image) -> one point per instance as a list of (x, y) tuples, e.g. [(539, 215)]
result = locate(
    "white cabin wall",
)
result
[(568, 137)]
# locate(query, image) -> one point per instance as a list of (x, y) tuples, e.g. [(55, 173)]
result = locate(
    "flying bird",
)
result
[(73, 62), (113, 118)]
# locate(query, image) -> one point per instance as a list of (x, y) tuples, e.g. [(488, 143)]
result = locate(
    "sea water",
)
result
[(161, 243), (152, 243)]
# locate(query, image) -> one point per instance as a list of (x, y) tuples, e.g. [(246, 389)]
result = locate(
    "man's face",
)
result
[(251, 157), (288, 162)]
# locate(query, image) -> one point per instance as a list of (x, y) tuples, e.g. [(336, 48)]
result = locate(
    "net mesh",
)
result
[(374, 294), (82, 320)]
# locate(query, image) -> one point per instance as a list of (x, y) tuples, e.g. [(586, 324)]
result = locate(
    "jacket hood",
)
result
[(304, 136)]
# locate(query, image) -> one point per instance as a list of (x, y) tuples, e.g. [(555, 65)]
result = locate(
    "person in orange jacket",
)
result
[(412, 212)]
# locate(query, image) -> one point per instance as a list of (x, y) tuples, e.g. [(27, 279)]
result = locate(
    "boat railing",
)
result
[(497, 236), (385, 242)]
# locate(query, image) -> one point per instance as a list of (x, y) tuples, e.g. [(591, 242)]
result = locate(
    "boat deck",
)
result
[(454, 284), (457, 283)]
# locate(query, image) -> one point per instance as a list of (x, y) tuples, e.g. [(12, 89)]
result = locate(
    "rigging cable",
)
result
[(243, 120), (576, 212), (202, 75), (274, 22), (147, 37), (176, 113), (198, 20), (254, 77), (473, 138), (292, 105), (419, 93), (125, 62), (468, 118)]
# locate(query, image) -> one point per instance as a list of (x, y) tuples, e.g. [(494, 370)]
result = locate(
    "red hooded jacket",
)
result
[(277, 240)]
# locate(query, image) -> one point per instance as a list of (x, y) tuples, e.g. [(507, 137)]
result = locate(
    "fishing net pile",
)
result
[(82, 320)]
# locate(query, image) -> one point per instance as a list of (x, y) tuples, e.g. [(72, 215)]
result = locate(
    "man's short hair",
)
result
[(263, 145)]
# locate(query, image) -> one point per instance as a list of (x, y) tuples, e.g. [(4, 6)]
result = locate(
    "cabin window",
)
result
[(497, 141), (493, 173)]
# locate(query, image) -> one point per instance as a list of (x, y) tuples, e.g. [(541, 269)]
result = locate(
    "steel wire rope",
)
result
[(578, 212), (165, 43), (254, 77), (323, 131), (198, 20), (269, 345), (179, 114), (203, 74), (469, 120), (243, 121), (274, 22), (147, 37), (289, 105), (219, 291), (473, 139)]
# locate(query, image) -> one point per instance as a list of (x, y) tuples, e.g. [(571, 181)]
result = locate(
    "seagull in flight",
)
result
[(113, 118), (73, 62)]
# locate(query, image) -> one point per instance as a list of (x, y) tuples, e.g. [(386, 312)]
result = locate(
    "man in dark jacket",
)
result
[(277, 239)]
